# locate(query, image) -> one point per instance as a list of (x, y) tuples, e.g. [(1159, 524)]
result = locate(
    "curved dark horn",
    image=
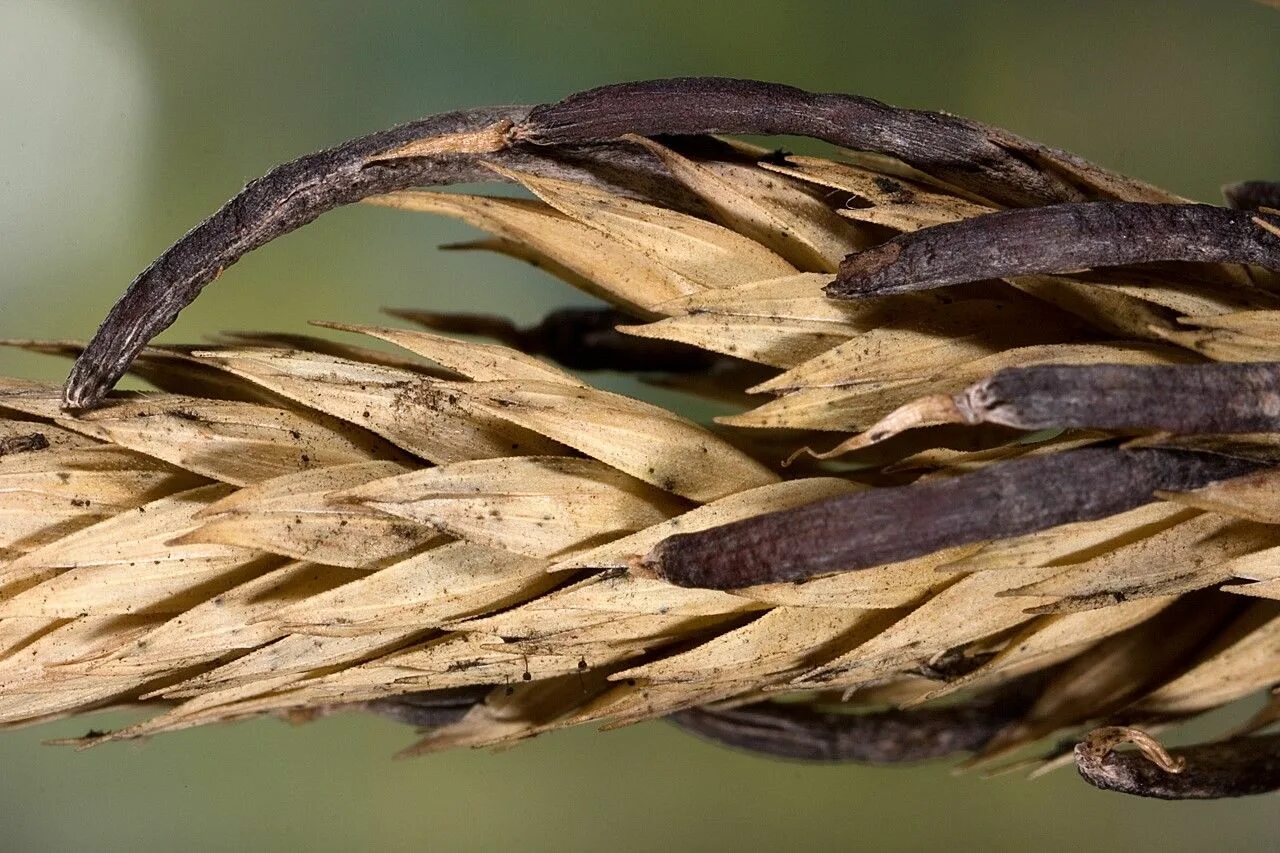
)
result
[(885, 525), (1060, 238), (883, 737), (454, 147)]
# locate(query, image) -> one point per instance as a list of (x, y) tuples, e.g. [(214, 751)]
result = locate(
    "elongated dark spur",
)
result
[(986, 161), (1188, 399), (1058, 238), (578, 338), (1239, 767), (894, 736), (567, 138), (885, 525), (438, 150), (429, 709), (1253, 195)]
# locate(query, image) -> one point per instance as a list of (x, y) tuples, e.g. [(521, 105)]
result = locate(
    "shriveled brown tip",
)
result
[(931, 410), (24, 443), (1238, 767), (862, 267)]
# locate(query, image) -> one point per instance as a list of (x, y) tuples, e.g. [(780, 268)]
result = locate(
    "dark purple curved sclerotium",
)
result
[(1060, 238), (573, 138), (893, 736), (1240, 767), (987, 161), (885, 525), (1187, 399), (1252, 195)]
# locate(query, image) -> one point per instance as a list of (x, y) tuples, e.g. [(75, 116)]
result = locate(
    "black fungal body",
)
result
[(1058, 238), (284, 199), (432, 708), (886, 525), (1253, 195), (1187, 399), (1240, 767), (576, 137), (895, 736), (580, 339), (976, 157)]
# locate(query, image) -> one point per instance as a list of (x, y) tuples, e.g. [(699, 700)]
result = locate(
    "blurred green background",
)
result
[(127, 122)]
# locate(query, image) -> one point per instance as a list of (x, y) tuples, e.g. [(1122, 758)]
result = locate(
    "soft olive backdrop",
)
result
[(125, 123)]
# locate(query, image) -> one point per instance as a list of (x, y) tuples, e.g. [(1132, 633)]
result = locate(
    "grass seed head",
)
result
[(471, 537)]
